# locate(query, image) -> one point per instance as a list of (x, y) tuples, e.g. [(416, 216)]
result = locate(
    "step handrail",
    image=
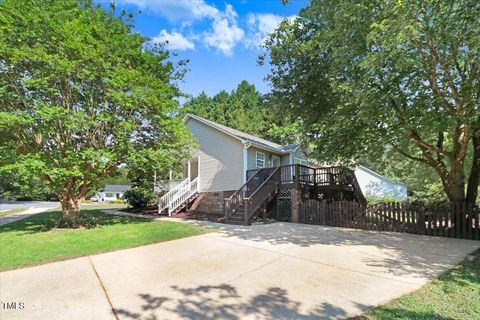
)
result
[(238, 196), (251, 208), (185, 193), (165, 201)]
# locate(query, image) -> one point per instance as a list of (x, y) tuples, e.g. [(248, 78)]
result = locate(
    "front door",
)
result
[(275, 161)]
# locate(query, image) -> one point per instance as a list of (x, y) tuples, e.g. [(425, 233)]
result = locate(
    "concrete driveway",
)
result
[(275, 271)]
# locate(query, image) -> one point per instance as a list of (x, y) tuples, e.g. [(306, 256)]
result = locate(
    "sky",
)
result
[(221, 39)]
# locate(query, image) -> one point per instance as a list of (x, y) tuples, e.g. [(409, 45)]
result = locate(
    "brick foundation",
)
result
[(211, 202)]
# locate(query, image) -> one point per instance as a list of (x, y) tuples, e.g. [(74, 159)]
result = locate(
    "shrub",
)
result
[(139, 197), (84, 221), (117, 201), (371, 199)]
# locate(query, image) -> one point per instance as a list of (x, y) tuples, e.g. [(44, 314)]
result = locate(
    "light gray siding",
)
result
[(220, 158), (252, 158)]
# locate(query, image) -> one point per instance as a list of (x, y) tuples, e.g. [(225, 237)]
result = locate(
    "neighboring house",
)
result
[(111, 192), (374, 184)]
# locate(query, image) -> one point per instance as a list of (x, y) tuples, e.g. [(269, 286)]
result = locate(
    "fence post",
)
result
[(421, 220)]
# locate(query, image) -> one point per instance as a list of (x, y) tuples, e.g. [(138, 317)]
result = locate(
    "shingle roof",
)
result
[(117, 188), (246, 137)]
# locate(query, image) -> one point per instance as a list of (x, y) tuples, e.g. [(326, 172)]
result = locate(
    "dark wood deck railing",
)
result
[(264, 192), (321, 177), (254, 181)]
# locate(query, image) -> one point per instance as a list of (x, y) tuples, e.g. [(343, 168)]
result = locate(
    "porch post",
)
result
[(170, 175), (296, 195), (189, 170)]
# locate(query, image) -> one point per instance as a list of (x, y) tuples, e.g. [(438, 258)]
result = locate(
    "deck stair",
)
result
[(242, 206), (178, 197)]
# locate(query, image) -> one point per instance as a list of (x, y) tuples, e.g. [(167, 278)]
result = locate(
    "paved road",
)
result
[(9, 205), (275, 271), (33, 207)]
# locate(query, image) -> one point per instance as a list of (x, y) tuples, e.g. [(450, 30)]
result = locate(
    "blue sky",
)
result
[(220, 38)]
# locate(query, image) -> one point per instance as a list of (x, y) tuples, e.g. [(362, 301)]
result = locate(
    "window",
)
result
[(260, 159), (109, 195), (300, 161)]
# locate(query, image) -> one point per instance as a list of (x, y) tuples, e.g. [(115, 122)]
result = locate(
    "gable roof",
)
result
[(245, 137), (113, 188)]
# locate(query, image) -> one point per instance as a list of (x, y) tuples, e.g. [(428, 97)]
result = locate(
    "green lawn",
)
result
[(454, 295), (12, 211), (23, 243)]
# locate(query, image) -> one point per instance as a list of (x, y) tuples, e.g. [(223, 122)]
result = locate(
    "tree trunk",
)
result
[(474, 179), (70, 206)]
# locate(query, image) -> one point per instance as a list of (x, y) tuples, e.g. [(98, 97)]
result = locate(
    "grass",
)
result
[(22, 243), (454, 295), (12, 211)]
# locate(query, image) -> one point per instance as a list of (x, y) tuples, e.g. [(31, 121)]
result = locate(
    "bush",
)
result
[(84, 221), (371, 199), (117, 201), (139, 197)]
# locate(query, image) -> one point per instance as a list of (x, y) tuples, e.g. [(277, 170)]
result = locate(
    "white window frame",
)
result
[(300, 161), (263, 160)]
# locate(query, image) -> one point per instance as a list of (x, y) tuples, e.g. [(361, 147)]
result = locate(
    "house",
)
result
[(233, 173), (111, 192), (374, 184)]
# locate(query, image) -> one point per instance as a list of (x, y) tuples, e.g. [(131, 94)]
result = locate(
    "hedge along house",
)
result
[(229, 166)]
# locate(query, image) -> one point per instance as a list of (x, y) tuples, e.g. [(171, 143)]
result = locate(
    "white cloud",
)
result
[(174, 40), (177, 9), (260, 26), (225, 33)]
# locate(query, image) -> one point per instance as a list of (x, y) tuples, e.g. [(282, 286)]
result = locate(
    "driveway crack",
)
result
[(103, 288)]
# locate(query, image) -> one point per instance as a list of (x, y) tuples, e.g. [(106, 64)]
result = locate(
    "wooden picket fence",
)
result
[(456, 220)]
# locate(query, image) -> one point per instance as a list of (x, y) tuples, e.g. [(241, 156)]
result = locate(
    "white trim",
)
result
[(198, 174), (291, 158), (256, 159), (245, 160)]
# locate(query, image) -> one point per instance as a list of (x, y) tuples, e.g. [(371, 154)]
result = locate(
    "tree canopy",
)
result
[(247, 110), (364, 78), (80, 94)]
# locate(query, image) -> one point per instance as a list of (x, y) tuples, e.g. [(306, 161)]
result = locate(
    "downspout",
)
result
[(246, 145)]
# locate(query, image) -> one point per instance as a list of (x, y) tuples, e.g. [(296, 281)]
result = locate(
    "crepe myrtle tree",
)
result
[(372, 76), (81, 94)]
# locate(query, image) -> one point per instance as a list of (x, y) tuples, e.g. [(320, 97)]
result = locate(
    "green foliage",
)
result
[(21, 185), (81, 221), (247, 110), (363, 78), (241, 109), (371, 199), (139, 197), (82, 94)]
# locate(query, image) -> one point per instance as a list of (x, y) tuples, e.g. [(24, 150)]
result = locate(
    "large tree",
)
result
[(365, 77), (80, 94)]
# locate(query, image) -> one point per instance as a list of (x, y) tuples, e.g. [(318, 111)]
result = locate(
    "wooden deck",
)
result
[(291, 183)]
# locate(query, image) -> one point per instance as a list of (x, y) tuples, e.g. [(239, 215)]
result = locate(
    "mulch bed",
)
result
[(150, 210), (153, 211)]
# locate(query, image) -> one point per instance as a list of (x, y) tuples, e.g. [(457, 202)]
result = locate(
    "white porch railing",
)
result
[(178, 195)]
